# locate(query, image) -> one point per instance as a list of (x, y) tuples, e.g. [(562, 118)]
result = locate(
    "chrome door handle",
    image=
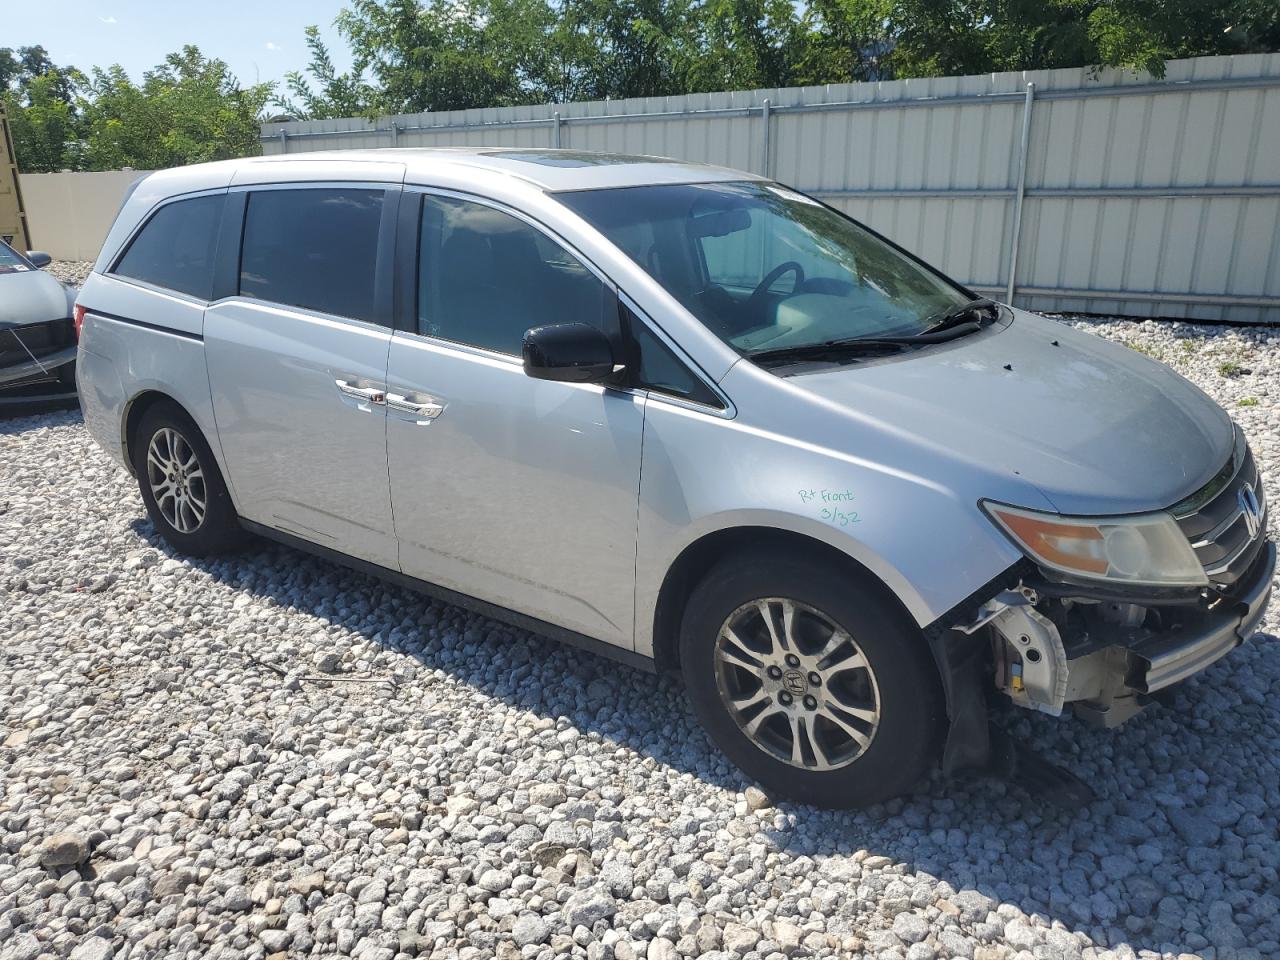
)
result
[(427, 409), (367, 394)]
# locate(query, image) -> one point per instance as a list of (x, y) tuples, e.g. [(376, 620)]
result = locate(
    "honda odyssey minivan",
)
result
[(684, 416)]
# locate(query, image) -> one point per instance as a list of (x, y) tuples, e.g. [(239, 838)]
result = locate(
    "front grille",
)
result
[(1214, 519), (41, 339)]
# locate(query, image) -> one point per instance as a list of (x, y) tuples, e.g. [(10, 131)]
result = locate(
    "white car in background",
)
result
[(37, 335)]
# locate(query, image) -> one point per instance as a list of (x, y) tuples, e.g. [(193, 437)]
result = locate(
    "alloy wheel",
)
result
[(176, 480), (797, 684)]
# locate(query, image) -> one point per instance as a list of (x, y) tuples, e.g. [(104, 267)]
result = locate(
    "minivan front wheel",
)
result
[(810, 681), (181, 485)]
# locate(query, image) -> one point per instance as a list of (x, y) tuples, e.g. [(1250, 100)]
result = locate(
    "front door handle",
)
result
[(426, 409), (357, 392)]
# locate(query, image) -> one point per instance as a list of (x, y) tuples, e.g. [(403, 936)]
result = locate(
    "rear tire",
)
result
[(181, 485), (811, 681)]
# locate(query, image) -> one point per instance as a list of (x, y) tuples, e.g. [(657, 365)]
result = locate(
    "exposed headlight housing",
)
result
[(1142, 550)]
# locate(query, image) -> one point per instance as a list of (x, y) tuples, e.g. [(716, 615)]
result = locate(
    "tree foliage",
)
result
[(453, 54), (328, 94), (188, 109)]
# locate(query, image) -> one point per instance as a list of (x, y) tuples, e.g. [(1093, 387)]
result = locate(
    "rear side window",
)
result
[(176, 247), (313, 248)]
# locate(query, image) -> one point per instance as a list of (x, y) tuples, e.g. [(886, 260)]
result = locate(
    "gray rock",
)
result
[(117, 871), (530, 929), (237, 898), (911, 927), (93, 948), (64, 849), (588, 906), (739, 938), (756, 799), (275, 940), (23, 947)]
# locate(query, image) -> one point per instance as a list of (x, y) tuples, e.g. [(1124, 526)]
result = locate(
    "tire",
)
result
[(894, 703), (198, 519)]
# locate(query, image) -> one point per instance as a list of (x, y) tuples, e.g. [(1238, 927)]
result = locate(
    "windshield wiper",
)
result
[(951, 319), (853, 346)]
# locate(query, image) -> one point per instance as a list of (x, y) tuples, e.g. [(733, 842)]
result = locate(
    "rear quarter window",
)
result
[(175, 249)]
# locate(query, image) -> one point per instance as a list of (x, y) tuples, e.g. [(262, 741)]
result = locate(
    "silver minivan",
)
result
[(687, 417)]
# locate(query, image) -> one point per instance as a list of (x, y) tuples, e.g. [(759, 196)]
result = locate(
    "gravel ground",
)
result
[(70, 271), (269, 755)]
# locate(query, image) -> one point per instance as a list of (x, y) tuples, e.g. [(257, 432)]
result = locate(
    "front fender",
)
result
[(928, 542)]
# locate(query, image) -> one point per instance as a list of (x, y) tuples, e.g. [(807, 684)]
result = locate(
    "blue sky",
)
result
[(261, 39)]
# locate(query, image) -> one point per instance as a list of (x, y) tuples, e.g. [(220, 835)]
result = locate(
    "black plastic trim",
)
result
[(385, 264), (483, 607), (185, 334), (408, 224), (226, 259)]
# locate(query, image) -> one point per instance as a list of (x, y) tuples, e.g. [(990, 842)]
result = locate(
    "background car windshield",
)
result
[(765, 267), (10, 261)]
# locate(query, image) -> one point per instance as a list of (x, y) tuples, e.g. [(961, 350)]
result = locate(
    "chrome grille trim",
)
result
[(1215, 524)]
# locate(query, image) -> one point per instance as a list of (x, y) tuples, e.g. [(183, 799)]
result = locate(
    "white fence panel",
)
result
[(69, 214)]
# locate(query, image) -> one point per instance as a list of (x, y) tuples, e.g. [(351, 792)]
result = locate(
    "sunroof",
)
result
[(567, 158)]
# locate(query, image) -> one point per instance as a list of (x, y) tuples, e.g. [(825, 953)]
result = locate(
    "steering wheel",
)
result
[(761, 291)]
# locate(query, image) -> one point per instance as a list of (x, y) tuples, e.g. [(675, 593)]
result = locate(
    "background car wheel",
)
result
[(810, 681), (181, 485)]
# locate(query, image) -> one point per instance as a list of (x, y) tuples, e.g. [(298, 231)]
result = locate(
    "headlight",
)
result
[(1147, 549)]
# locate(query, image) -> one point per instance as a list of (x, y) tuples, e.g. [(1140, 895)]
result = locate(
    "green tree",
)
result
[(45, 127), (187, 110), (334, 94), (943, 37), (436, 56), (39, 98)]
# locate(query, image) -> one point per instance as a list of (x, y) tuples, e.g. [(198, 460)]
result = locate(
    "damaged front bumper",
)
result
[(35, 360), (1106, 658)]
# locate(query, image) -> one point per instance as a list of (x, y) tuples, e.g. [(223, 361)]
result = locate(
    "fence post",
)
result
[(284, 141), (1016, 228), (765, 110), (395, 133), (555, 129)]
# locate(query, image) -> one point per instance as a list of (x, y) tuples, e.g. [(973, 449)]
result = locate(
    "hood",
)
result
[(1096, 427), (32, 296)]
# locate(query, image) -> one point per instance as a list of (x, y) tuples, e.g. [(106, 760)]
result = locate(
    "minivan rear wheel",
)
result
[(181, 485), (810, 680)]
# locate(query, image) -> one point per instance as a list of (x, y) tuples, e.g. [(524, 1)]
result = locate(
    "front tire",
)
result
[(810, 681), (181, 485)]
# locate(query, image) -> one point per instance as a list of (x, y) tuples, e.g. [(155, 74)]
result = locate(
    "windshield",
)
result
[(10, 261), (767, 268)]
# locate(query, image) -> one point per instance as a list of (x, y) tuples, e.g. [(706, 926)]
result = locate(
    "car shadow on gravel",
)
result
[(1177, 852)]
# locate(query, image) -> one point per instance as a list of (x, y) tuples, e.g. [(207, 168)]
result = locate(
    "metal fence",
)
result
[(1064, 190)]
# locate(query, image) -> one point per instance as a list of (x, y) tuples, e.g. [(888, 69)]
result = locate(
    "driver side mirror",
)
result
[(568, 352), (39, 258)]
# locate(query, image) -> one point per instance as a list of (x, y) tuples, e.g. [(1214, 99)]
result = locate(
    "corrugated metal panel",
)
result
[(1146, 198)]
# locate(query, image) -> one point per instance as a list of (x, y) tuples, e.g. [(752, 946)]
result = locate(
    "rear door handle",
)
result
[(426, 409), (357, 392)]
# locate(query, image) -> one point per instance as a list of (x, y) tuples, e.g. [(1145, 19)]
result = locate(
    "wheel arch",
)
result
[(700, 555), (138, 405)]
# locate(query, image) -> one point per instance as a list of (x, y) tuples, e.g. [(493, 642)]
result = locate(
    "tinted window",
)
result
[(486, 277), (661, 370), (313, 248), (175, 249)]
